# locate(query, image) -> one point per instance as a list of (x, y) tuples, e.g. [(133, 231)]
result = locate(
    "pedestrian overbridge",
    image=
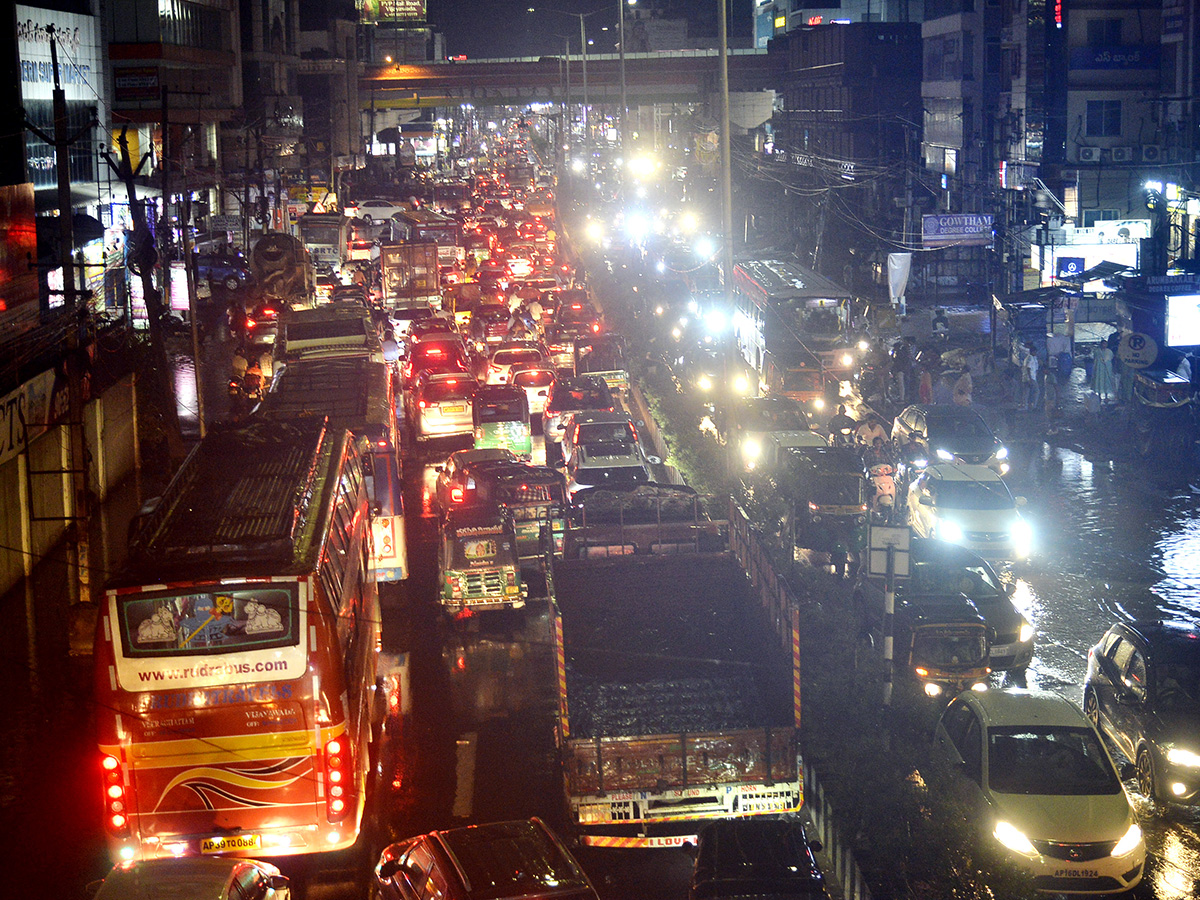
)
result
[(671, 76)]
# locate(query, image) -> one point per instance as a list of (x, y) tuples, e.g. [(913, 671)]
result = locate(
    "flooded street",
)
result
[(1115, 541)]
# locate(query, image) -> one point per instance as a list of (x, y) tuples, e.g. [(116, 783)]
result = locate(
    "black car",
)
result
[(756, 858), (1143, 691), (951, 433)]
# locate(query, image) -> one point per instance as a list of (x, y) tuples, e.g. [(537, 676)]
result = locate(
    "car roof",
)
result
[(963, 472), (599, 416), (500, 392), (473, 455), (1021, 706)]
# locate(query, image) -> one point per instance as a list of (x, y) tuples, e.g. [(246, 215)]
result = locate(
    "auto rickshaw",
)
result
[(830, 505), (1163, 414), (501, 414), (603, 355), (944, 642)]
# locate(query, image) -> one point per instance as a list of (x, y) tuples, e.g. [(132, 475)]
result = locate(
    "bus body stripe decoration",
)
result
[(560, 663), (796, 668), (204, 779)]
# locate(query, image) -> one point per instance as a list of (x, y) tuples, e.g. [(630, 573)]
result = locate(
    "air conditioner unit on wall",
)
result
[(1089, 154), (1122, 154), (1152, 153)]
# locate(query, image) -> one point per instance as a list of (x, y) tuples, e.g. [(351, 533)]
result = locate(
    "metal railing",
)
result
[(778, 599)]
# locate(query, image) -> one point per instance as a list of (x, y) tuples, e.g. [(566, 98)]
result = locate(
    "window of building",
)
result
[(1093, 217), (1103, 118), (1103, 32)]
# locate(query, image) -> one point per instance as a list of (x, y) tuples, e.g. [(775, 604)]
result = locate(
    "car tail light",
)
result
[(116, 810), (457, 495), (250, 323), (595, 327), (338, 778), (422, 404)]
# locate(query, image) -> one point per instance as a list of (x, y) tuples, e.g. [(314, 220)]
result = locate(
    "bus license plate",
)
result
[(231, 843)]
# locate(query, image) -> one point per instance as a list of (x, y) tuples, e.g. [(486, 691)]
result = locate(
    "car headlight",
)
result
[(751, 449), (1177, 756), (920, 463), (847, 359), (864, 345), (741, 384), (944, 455), (1022, 537), (950, 531), (1012, 838), (704, 383), (1002, 453), (818, 403), (1130, 842), (1025, 635)]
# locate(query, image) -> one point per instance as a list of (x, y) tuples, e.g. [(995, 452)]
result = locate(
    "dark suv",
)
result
[(756, 858), (483, 862), (1143, 691)]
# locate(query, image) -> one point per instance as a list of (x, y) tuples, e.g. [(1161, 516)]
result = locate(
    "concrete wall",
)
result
[(109, 426)]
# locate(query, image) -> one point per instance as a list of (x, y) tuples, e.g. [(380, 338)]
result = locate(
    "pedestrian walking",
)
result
[(964, 388), (925, 386), (1102, 373)]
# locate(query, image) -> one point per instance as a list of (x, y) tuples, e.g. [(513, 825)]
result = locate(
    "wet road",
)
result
[(1115, 541)]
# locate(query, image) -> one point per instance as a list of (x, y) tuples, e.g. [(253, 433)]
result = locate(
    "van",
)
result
[(496, 861)]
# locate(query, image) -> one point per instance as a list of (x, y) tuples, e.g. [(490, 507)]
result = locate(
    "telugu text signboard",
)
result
[(959, 230)]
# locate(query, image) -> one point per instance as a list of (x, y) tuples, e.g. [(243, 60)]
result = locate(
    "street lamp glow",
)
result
[(594, 230), (688, 222), (704, 247), (577, 165), (642, 166), (637, 226)]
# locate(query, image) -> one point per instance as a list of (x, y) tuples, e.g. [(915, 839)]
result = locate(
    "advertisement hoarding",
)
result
[(958, 230), (382, 12)]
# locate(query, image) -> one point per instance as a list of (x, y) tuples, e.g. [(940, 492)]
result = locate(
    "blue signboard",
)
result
[(1127, 56), (1068, 266)]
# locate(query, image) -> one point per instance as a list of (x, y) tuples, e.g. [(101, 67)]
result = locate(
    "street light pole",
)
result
[(583, 51), (621, 48)]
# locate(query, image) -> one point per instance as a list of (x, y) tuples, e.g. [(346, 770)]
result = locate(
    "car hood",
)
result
[(1178, 727), (1066, 819)]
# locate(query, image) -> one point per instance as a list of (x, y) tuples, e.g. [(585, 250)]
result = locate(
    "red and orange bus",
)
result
[(237, 653)]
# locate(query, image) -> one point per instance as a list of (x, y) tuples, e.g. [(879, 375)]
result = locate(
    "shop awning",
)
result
[(84, 230)]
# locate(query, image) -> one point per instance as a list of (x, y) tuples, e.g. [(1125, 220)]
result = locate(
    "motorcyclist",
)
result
[(870, 429), (841, 426)]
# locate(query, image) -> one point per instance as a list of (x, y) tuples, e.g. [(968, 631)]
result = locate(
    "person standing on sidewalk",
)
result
[(1102, 373), (1029, 378), (964, 388)]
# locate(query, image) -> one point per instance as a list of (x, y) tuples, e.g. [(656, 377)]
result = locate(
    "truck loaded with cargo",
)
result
[(668, 716), (410, 274)]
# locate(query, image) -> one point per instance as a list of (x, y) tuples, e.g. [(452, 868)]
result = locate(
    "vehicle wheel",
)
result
[(1145, 775), (1091, 708), (232, 283)]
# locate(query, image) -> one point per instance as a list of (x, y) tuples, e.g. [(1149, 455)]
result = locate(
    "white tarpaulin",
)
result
[(899, 266)]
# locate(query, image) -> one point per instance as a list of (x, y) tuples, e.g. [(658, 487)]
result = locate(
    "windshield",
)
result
[(972, 495), (937, 579), (602, 359), (455, 389), (769, 417), (958, 429), (801, 380), (321, 234), (580, 399), (533, 379), (1049, 760), (212, 621), (1178, 686), (966, 649), (516, 357), (838, 490), (823, 322), (501, 411)]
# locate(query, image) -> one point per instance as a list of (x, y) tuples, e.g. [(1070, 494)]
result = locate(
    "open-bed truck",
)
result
[(678, 701)]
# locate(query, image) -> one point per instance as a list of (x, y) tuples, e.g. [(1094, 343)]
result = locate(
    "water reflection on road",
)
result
[(1116, 540)]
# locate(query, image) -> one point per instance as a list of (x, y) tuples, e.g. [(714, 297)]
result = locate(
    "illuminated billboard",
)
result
[(385, 12)]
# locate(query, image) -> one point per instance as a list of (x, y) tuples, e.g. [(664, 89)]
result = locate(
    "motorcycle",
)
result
[(883, 483)]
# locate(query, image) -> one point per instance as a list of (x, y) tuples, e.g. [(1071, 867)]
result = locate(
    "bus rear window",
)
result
[(208, 622)]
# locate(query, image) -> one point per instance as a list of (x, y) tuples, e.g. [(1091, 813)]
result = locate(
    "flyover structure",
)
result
[(673, 76)]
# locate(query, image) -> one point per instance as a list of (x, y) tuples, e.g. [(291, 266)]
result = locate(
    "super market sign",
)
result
[(962, 230)]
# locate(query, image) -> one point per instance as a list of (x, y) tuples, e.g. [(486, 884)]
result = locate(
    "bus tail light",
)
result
[(510, 577), (338, 776), (116, 810)]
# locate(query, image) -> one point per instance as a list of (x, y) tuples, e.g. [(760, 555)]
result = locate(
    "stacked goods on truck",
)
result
[(342, 328), (410, 274), (282, 268), (669, 717)]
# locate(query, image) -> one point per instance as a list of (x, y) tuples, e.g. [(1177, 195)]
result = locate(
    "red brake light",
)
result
[(576, 306), (436, 351), (422, 404), (457, 495), (250, 323), (595, 326), (452, 381)]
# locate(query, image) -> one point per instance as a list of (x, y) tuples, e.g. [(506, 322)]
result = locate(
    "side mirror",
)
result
[(439, 469), (654, 460), (926, 501), (389, 868), (279, 883)]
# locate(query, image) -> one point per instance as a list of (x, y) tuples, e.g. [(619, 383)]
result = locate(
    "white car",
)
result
[(973, 507), (511, 354), (1036, 776), (376, 212), (536, 380)]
